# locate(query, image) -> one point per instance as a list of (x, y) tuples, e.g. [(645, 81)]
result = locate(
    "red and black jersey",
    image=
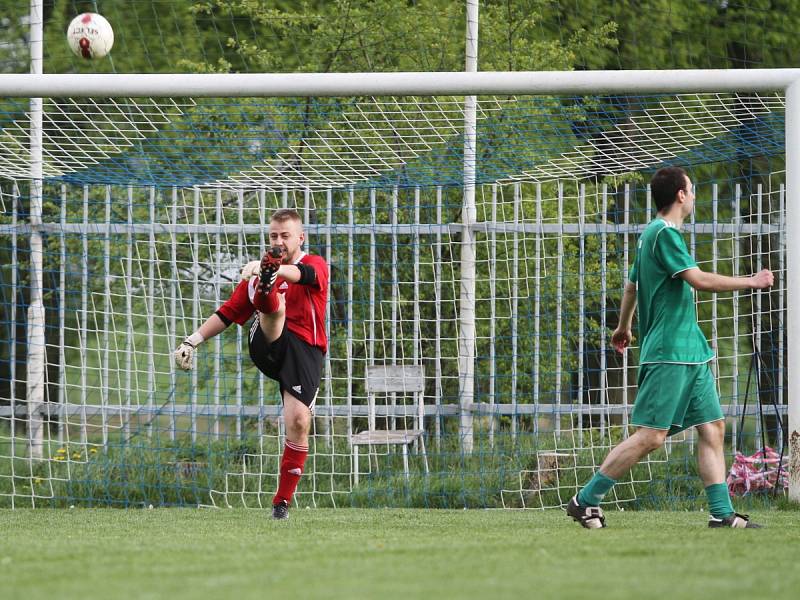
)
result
[(305, 304)]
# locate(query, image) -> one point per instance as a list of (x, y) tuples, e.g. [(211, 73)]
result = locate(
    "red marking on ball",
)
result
[(84, 45), (86, 18)]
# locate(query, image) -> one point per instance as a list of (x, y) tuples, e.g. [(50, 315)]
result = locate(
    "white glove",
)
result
[(251, 269), (184, 354)]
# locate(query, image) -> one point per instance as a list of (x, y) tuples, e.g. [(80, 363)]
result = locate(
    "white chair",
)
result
[(387, 380)]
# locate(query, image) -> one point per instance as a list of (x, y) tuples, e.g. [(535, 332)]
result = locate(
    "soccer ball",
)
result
[(90, 36)]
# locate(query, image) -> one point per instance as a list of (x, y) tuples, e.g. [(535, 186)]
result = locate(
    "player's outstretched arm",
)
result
[(290, 273), (714, 282), (622, 336), (300, 273), (184, 353)]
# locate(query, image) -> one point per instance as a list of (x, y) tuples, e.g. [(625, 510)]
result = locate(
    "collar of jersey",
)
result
[(669, 223)]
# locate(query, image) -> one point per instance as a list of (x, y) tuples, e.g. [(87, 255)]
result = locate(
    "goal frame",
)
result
[(36, 86)]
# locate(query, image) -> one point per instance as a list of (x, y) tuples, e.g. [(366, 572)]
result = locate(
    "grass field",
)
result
[(382, 553)]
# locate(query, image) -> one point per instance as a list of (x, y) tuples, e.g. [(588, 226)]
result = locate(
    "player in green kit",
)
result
[(676, 387)]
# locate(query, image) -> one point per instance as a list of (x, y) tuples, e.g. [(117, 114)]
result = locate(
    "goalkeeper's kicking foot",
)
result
[(270, 263), (280, 511), (590, 517), (735, 521)]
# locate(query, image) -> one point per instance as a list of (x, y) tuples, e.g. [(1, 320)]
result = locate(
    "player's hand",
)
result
[(621, 339), (251, 269), (763, 279), (184, 356)]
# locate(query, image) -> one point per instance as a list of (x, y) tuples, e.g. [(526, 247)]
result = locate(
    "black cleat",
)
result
[(270, 262), (735, 521), (590, 517), (280, 511)]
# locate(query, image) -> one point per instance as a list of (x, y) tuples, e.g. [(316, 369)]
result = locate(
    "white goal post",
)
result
[(396, 84), (464, 84)]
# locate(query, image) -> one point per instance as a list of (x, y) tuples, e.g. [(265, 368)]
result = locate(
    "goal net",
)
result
[(150, 207)]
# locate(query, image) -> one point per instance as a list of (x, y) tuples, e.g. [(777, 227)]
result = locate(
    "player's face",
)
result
[(688, 198), (288, 235)]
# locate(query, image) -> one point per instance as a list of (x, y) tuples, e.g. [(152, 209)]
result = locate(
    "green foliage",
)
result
[(395, 35), (149, 36), (424, 35), (676, 34)]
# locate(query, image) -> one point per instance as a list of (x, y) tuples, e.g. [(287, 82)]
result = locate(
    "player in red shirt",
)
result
[(287, 339)]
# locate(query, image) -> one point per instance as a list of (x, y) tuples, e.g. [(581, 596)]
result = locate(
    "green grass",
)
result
[(382, 553), (144, 470)]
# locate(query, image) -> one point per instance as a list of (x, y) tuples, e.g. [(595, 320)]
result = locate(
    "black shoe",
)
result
[(270, 263), (280, 510), (590, 517), (735, 521)]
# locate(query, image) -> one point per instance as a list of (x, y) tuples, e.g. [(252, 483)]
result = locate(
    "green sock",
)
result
[(593, 492), (719, 501)]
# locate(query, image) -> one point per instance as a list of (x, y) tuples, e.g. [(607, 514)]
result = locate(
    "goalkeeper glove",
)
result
[(184, 354), (251, 269)]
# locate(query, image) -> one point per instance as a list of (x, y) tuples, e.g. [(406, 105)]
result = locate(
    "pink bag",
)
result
[(759, 471)]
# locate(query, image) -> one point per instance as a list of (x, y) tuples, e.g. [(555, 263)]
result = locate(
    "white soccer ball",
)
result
[(90, 36)]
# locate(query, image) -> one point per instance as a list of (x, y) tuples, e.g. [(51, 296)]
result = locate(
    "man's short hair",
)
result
[(666, 184), (286, 214)]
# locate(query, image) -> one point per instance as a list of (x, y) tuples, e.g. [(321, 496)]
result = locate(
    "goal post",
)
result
[(276, 85), (550, 215), (793, 279)]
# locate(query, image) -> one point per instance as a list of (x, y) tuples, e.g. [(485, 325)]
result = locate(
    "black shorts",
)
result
[(293, 363)]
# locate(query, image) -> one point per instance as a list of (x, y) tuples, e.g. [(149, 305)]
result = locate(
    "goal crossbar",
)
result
[(380, 84)]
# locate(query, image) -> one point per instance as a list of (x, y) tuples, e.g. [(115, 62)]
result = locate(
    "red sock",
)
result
[(292, 462), (266, 304)]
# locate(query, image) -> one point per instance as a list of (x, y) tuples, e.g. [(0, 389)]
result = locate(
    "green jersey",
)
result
[(668, 326)]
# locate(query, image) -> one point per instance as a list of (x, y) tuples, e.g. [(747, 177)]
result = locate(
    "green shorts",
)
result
[(675, 397)]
